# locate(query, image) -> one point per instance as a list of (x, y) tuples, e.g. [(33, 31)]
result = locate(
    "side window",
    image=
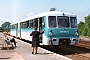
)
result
[(30, 23), (27, 24), (23, 25), (13, 26), (73, 22), (16, 25), (52, 21), (35, 21)]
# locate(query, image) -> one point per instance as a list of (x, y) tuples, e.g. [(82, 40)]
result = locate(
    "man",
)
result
[(9, 40), (35, 39)]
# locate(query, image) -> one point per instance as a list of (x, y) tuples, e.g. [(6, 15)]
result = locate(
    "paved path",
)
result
[(23, 52), (9, 54)]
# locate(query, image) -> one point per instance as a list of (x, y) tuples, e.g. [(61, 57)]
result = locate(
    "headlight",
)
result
[(76, 33), (50, 33)]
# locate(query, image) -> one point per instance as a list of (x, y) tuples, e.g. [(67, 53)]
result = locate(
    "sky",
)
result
[(15, 10)]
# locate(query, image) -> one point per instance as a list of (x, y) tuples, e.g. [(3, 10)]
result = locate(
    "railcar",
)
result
[(60, 28)]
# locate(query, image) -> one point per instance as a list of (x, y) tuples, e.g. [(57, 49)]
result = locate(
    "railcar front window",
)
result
[(73, 22), (52, 21), (63, 21)]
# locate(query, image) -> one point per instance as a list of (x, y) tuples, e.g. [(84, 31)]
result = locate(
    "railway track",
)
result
[(84, 45), (73, 52), (80, 51)]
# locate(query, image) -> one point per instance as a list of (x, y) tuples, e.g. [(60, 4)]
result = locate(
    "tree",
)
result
[(53, 9), (80, 27), (84, 28), (87, 25), (6, 26), (87, 18), (1, 29)]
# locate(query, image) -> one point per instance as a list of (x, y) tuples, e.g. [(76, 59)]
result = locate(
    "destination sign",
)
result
[(62, 17)]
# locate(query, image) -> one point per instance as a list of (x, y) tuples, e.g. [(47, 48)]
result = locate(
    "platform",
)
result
[(23, 52), (24, 49)]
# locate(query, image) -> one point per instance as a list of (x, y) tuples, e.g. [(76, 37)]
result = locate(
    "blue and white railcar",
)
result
[(60, 28), (13, 30)]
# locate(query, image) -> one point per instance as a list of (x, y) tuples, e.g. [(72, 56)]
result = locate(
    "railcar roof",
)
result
[(46, 14)]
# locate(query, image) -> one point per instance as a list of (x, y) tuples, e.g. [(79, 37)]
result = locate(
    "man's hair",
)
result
[(35, 27)]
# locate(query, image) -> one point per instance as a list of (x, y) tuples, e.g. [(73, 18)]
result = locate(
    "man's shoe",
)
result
[(32, 53), (36, 53)]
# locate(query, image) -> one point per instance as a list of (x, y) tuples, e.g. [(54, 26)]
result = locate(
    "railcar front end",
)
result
[(61, 30)]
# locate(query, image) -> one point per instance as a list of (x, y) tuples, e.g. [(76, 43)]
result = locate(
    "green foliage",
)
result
[(1, 29), (88, 33), (87, 18), (81, 27), (6, 26), (84, 31), (84, 28)]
